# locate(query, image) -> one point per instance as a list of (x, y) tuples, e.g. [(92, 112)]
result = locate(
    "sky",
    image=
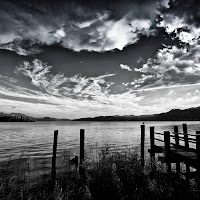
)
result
[(86, 58)]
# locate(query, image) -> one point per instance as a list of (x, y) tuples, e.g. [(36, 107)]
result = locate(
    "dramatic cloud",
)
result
[(60, 85), (186, 33), (145, 101), (70, 56), (26, 27), (171, 65)]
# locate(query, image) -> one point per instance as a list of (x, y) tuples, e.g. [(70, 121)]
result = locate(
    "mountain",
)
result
[(191, 114), (50, 119), (18, 117), (15, 117)]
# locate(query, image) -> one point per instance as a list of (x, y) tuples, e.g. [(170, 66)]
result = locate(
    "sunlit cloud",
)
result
[(84, 29), (171, 65), (126, 67), (186, 33), (58, 84)]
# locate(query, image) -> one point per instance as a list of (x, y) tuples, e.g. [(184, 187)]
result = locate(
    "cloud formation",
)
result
[(27, 26), (160, 69), (144, 101), (186, 33), (76, 86), (171, 65), (126, 67)]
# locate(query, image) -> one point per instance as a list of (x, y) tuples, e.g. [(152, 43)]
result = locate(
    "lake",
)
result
[(36, 138)]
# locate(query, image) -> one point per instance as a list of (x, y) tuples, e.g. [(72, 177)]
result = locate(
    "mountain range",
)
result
[(190, 114), (19, 117)]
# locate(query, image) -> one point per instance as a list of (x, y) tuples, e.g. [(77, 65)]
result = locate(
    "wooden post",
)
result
[(82, 137), (176, 136), (53, 173), (142, 143), (167, 150), (177, 145), (198, 158), (152, 146), (187, 147), (185, 136)]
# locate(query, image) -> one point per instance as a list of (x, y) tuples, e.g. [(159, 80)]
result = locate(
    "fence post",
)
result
[(82, 137), (185, 132), (176, 136), (152, 146), (53, 173), (177, 145), (142, 143), (167, 150), (198, 158)]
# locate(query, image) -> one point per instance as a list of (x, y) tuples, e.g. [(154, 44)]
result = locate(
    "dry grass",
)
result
[(116, 176)]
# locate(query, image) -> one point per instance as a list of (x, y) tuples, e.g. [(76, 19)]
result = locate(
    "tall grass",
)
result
[(114, 176)]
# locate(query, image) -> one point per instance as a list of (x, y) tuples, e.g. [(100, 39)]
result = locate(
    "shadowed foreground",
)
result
[(116, 175)]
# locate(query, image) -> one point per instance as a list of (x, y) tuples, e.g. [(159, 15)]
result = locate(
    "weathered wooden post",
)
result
[(198, 158), (142, 143), (53, 173), (177, 145), (185, 132), (152, 146), (82, 137), (167, 150)]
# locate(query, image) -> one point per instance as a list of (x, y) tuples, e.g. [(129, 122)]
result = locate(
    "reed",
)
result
[(115, 175)]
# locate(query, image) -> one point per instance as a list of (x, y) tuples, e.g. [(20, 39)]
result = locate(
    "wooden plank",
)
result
[(173, 159), (188, 157), (180, 153), (183, 148), (157, 149)]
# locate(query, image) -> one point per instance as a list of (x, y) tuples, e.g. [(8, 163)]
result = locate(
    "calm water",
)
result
[(36, 138)]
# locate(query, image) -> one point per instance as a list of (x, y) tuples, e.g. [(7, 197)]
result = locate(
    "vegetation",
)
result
[(115, 176)]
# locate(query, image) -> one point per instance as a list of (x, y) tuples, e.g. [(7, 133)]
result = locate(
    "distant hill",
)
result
[(18, 117), (191, 114), (50, 119), (15, 117)]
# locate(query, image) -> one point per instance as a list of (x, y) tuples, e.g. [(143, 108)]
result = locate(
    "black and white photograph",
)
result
[(99, 99)]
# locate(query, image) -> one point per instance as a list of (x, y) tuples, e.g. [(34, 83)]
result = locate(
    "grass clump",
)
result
[(115, 176)]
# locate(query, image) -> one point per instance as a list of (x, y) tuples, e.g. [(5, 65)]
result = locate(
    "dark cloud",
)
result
[(77, 25), (190, 9)]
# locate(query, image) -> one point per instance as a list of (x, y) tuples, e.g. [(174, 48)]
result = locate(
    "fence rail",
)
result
[(174, 152)]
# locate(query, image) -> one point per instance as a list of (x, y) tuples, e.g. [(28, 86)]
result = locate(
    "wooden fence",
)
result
[(176, 147)]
